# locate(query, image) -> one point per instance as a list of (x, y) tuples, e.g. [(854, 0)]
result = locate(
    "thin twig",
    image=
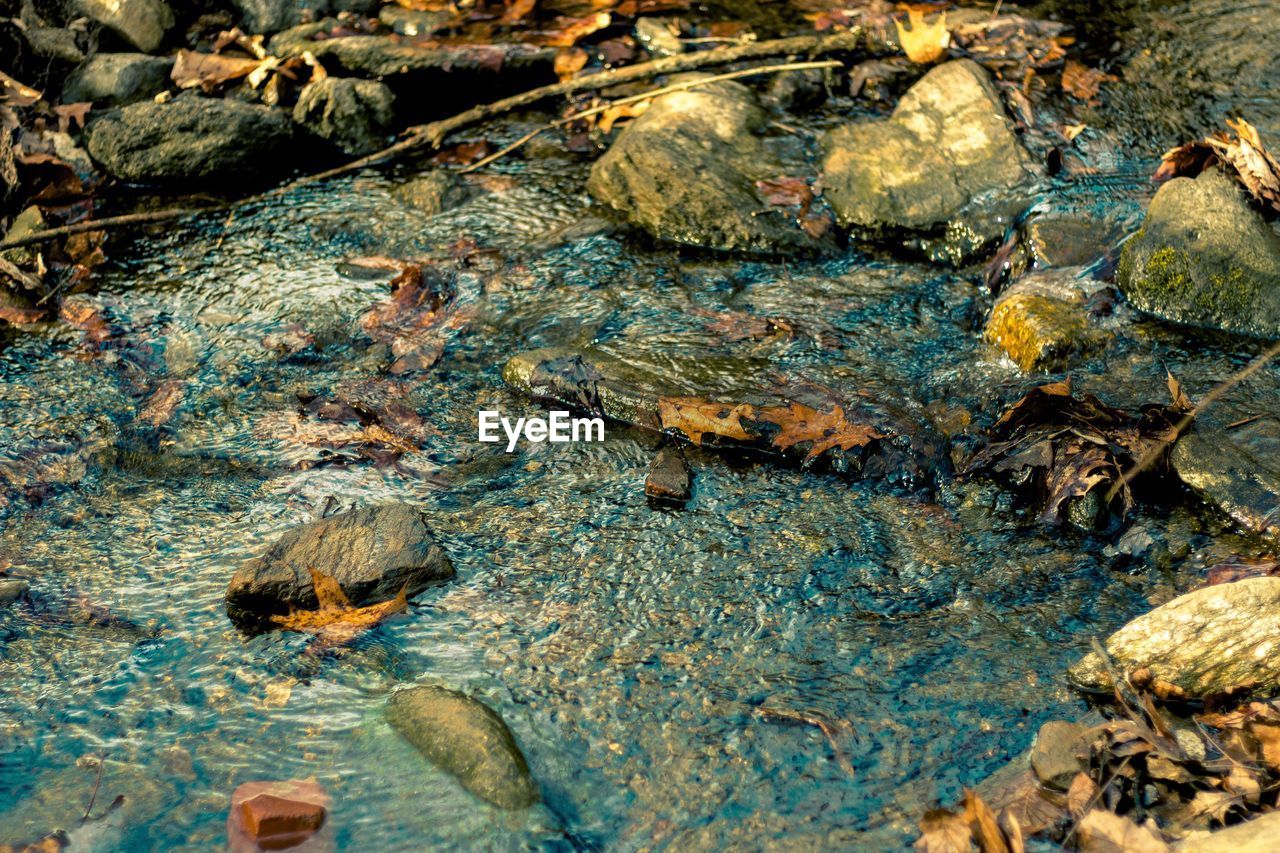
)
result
[(644, 96), (821, 722), (93, 798), (434, 133), (1216, 393)]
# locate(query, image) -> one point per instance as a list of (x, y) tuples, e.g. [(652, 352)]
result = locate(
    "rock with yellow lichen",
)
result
[(1206, 258), (1044, 321)]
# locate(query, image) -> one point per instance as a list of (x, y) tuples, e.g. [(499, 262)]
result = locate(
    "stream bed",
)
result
[(650, 662)]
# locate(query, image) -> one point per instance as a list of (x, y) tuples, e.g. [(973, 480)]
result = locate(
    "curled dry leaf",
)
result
[(614, 114), (1104, 832), (208, 71), (1256, 168), (942, 831), (923, 43), (15, 94)]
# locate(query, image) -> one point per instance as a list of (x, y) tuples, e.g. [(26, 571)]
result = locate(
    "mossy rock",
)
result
[(1043, 322), (1205, 258)]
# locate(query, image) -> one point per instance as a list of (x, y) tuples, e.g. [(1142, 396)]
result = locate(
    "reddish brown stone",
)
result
[(279, 816)]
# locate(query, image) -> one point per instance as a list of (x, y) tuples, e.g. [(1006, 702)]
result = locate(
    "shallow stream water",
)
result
[(647, 660)]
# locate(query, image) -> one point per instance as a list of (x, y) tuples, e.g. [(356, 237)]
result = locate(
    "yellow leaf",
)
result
[(923, 43), (334, 620), (613, 114)]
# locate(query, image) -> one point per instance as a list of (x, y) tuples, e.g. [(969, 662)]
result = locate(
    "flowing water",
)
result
[(650, 662)]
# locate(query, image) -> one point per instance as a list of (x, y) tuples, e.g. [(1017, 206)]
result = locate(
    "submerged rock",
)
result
[(1042, 322), (861, 434), (467, 739), (948, 147), (118, 78), (434, 192), (669, 480), (277, 815), (192, 139), (1205, 258), (142, 23), (353, 115), (686, 171), (1207, 642), (1237, 471), (11, 589), (372, 553)]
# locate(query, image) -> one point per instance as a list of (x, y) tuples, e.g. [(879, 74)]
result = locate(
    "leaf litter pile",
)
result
[(1149, 778)]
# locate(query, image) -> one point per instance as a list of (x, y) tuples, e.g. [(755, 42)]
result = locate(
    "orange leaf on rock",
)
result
[(825, 430), (923, 43), (614, 114), (569, 61), (785, 192), (335, 621), (695, 417)]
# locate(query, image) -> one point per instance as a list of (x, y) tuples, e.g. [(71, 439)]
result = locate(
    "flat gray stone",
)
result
[(353, 115), (192, 140), (1236, 471), (118, 78)]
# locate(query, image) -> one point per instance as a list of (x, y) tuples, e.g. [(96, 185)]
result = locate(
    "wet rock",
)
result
[(1042, 322), (796, 91), (118, 78), (908, 450), (1236, 471), (669, 480), (276, 815), (353, 115), (659, 36), (413, 22), (372, 553), (468, 740), (192, 139), (11, 589), (685, 171), (1201, 644), (434, 192), (1205, 258), (947, 147), (142, 23), (1259, 835), (391, 56), (50, 42), (1069, 241), (1055, 755), (272, 16)]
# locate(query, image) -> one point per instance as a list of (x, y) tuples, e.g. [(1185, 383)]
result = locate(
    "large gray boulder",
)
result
[(353, 115), (1204, 643), (118, 78), (468, 740), (947, 144), (1205, 257), (686, 171), (142, 23), (192, 139), (372, 553)]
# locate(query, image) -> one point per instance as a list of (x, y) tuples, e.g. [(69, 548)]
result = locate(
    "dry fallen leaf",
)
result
[(573, 30), (923, 43), (614, 114), (16, 94), (1254, 166), (695, 417), (1104, 832), (209, 70), (569, 61), (982, 824)]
